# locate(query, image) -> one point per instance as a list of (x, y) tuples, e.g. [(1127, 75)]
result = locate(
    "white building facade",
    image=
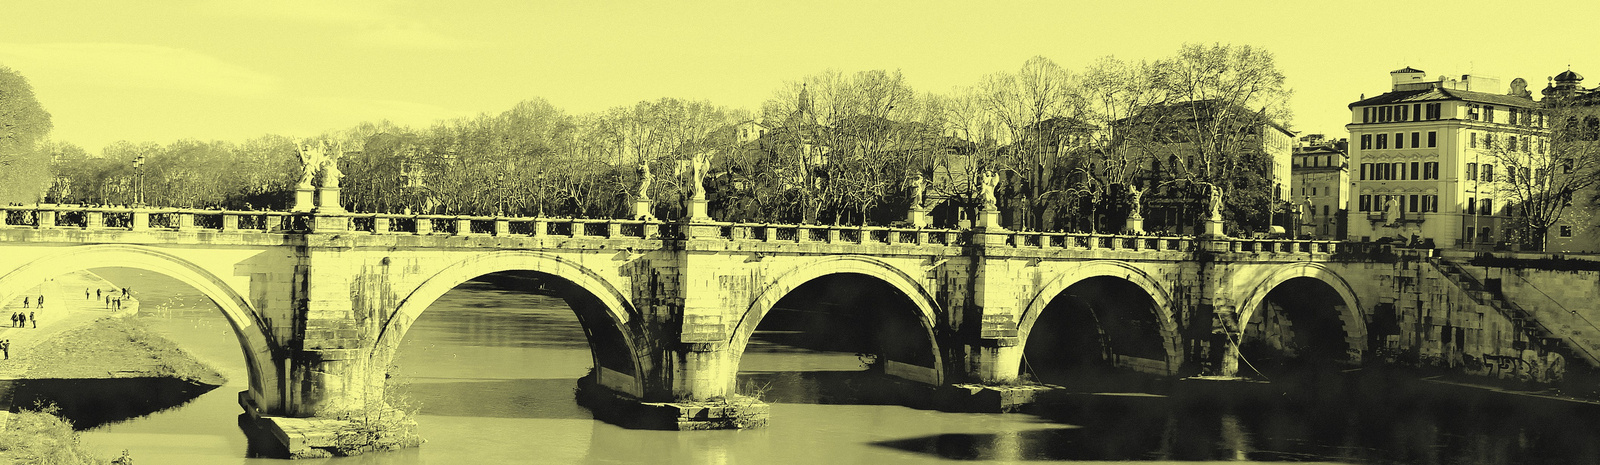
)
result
[(1423, 159)]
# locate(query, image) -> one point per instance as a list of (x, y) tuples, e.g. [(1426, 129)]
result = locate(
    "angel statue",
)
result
[(702, 163), (332, 175), (1215, 201), (312, 156), (645, 178), (1134, 196), (988, 183), (918, 187)]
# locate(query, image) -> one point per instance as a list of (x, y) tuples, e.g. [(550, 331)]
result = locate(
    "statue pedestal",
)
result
[(328, 200), (989, 219), (1135, 225), (641, 209), (698, 211), (302, 199), (918, 217), (1213, 227)]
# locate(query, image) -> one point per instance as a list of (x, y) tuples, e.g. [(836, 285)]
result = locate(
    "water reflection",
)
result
[(89, 403)]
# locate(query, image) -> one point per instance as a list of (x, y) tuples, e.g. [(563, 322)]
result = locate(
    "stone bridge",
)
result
[(319, 302)]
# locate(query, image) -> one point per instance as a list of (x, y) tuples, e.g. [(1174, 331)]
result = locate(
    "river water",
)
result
[(492, 372)]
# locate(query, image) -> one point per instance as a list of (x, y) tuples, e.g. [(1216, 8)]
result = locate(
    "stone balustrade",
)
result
[(181, 219)]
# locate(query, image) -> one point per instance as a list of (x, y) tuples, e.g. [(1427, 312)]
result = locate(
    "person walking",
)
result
[(34, 319), (22, 320), (5, 347), (96, 293), (24, 301), (85, 293), (41, 300), (13, 319)]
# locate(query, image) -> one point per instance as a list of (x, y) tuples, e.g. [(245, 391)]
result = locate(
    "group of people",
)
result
[(26, 301), (113, 299), (20, 320)]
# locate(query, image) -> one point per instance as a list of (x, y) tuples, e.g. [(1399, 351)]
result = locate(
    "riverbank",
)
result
[(80, 343), (113, 347)]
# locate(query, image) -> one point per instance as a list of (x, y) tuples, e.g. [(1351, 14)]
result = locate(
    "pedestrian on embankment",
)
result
[(13, 319), (96, 293), (85, 293), (41, 300), (5, 347), (24, 318), (34, 319), (25, 302)]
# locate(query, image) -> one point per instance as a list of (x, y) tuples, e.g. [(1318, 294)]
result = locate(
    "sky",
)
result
[(233, 70)]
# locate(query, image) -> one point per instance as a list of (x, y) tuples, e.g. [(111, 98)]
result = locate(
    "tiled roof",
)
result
[(1407, 69), (1441, 94)]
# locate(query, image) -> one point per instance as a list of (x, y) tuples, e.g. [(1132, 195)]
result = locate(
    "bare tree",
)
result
[(1544, 177)]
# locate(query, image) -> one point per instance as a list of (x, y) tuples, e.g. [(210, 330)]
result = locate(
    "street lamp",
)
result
[(500, 189), (138, 181)]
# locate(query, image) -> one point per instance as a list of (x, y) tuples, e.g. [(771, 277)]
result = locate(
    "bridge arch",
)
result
[(622, 344), (1350, 315), (1171, 342), (246, 323), (844, 264)]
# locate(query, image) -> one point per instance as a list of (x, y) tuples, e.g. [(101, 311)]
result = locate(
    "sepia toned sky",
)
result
[(231, 70)]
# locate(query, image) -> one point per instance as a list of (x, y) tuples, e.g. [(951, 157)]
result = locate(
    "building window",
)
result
[(1366, 141), (1488, 113), (1488, 141), (1416, 139), (1566, 231), (1430, 170), (1364, 168), (1400, 139), (1488, 173), (1430, 203), (1366, 203), (1398, 172), (1511, 143), (1469, 234), (1433, 138), (1473, 137), (1383, 141), (1527, 175), (1366, 114), (1414, 173), (1472, 206), (1416, 112), (1324, 210), (1472, 171), (1413, 203), (1486, 207)]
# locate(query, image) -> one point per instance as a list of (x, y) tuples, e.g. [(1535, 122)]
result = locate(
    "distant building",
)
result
[(1168, 155), (1321, 173), (1421, 163), (1578, 229)]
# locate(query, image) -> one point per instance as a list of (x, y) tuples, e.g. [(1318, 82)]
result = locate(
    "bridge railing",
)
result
[(1283, 246), (145, 218), (1090, 241), (832, 234)]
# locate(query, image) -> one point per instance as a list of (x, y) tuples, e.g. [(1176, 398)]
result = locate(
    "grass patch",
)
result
[(40, 437), (110, 347)]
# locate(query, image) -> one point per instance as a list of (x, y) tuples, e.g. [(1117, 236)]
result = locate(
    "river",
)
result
[(493, 372)]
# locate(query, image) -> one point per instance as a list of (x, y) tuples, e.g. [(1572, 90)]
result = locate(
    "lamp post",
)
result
[(500, 189), (138, 181)]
